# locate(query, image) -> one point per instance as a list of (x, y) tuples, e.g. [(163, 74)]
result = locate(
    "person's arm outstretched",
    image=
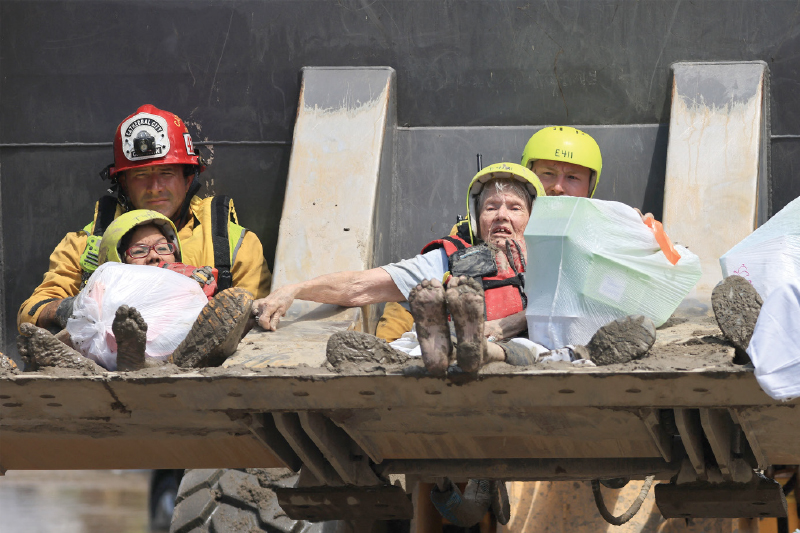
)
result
[(348, 289)]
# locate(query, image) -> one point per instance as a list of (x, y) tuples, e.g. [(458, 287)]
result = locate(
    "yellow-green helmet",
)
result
[(125, 223), (493, 172), (563, 143)]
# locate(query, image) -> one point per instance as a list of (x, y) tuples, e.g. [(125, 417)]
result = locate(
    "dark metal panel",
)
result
[(45, 194), (76, 67), (255, 177), (785, 172)]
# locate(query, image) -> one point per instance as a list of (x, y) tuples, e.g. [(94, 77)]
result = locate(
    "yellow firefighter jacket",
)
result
[(248, 266)]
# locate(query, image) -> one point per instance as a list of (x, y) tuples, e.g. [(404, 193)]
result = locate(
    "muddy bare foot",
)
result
[(357, 349), (622, 340), (736, 306), (217, 331), (39, 348), (429, 310), (465, 301), (130, 331)]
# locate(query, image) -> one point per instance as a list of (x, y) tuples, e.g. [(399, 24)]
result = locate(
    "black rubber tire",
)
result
[(221, 501)]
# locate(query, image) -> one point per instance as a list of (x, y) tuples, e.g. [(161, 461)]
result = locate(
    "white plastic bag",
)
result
[(775, 346), (593, 261), (770, 256), (169, 302)]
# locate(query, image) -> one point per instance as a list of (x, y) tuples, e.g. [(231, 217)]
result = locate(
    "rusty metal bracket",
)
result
[(349, 461), (663, 441), (263, 428), (752, 440), (346, 503), (721, 431), (691, 432), (290, 427), (703, 499), (531, 469)]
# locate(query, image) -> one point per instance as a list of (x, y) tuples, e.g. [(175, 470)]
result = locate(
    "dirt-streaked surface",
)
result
[(74, 501)]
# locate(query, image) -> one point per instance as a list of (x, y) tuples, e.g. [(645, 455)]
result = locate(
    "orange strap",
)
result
[(662, 239)]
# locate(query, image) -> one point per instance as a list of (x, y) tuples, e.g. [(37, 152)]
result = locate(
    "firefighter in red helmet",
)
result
[(155, 167)]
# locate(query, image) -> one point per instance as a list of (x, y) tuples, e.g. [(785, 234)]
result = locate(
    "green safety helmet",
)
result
[(493, 172), (562, 143), (125, 223)]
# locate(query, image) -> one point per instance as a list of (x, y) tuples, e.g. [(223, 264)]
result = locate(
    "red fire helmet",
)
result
[(152, 137)]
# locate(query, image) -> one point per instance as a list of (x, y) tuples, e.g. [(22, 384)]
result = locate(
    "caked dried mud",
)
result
[(39, 348), (466, 304), (429, 309), (736, 305), (354, 348), (217, 331), (622, 340), (130, 332)]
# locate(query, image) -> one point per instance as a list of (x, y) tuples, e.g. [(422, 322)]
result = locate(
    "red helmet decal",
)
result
[(144, 136), (153, 137), (187, 139)]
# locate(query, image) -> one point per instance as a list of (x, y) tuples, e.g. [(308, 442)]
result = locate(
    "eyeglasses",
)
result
[(137, 251)]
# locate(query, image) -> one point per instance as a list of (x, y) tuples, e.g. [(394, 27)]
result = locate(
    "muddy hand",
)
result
[(268, 311)]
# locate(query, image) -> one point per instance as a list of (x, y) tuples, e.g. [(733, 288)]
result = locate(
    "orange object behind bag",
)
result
[(662, 239)]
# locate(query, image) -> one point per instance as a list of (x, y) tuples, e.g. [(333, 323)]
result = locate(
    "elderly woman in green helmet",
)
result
[(449, 276), (567, 162), (144, 237)]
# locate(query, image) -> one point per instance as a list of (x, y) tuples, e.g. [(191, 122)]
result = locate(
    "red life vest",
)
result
[(205, 276), (504, 286)]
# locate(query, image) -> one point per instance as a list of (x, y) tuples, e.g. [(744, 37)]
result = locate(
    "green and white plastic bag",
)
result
[(594, 261)]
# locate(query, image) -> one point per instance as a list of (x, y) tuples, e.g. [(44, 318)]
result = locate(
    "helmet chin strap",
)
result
[(183, 212)]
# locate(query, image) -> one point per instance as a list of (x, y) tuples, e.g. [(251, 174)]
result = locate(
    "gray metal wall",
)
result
[(70, 71)]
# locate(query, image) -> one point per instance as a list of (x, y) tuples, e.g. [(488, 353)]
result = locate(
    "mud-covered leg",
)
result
[(216, 333), (620, 341), (736, 305), (130, 331), (39, 348), (465, 301), (428, 307)]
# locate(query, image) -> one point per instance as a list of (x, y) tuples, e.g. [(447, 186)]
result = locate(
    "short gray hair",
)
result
[(505, 186)]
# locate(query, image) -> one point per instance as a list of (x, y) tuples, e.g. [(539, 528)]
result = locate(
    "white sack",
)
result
[(593, 261), (169, 302), (775, 345), (770, 256)]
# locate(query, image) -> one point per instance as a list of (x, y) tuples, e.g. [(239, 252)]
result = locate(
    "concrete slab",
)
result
[(339, 153), (716, 190)]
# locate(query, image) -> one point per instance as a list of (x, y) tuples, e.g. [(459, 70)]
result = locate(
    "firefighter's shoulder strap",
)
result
[(105, 214), (222, 212)]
